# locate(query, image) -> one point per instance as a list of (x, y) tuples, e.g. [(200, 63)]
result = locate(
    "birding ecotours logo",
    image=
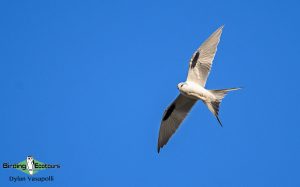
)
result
[(30, 166)]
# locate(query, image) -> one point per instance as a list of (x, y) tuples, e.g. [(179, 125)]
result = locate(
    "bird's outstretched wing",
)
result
[(201, 61), (172, 118)]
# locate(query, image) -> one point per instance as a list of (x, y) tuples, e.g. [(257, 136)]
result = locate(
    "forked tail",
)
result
[(214, 105)]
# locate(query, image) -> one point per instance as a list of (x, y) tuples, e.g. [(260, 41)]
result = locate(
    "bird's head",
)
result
[(181, 85), (30, 158)]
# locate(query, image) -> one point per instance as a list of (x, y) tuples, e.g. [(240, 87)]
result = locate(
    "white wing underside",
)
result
[(201, 61), (173, 117)]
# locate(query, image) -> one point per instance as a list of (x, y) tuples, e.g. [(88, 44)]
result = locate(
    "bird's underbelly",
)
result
[(196, 95)]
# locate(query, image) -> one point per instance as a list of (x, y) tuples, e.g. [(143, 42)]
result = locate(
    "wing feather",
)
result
[(173, 117), (201, 61)]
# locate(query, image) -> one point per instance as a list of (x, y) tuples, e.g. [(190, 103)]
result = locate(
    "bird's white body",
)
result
[(195, 91), (30, 164)]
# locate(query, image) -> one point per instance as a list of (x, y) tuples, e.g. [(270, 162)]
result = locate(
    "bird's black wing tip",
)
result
[(158, 148)]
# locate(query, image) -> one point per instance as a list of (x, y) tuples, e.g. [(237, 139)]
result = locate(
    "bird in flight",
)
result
[(193, 89)]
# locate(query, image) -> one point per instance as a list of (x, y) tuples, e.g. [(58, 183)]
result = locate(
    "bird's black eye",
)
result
[(181, 86)]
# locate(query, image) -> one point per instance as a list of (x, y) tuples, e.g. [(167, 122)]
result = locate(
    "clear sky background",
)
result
[(85, 83)]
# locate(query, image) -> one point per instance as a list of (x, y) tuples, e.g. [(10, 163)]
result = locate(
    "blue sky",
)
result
[(85, 83)]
